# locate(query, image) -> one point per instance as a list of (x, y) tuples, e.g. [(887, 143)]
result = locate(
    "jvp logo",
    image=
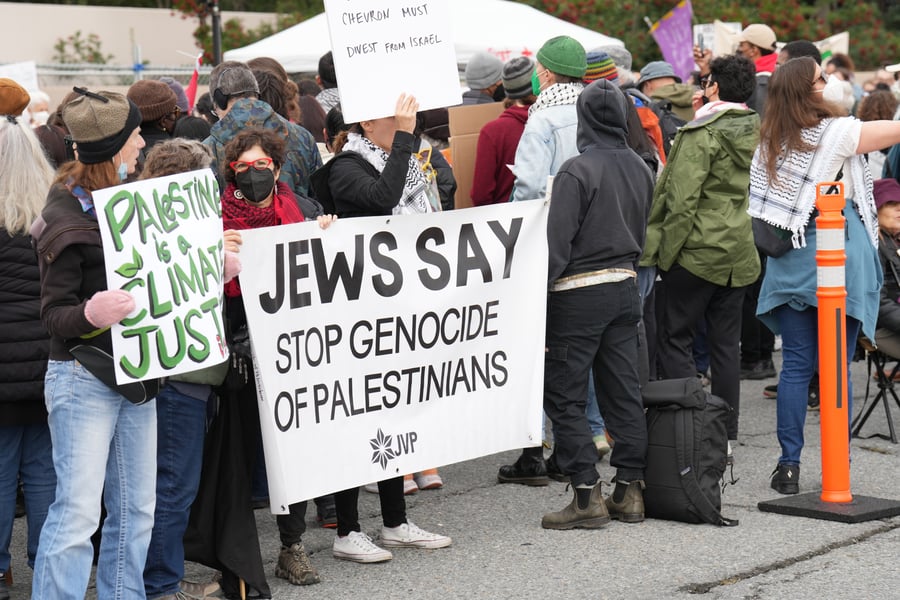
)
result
[(388, 447)]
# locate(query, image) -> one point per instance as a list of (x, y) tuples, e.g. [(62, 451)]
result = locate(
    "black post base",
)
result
[(860, 510)]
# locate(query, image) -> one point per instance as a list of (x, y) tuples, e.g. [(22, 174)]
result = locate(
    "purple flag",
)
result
[(675, 39)]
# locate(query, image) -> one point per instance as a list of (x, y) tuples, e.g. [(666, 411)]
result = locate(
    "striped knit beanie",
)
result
[(601, 66)]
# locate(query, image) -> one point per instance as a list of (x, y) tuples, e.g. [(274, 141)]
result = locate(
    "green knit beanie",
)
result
[(563, 55)]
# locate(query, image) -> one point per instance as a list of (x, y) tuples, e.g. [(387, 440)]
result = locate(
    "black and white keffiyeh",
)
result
[(415, 198), (789, 201), (558, 94)]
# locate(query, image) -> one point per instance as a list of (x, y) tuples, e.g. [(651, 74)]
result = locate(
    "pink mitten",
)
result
[(108, 307), (232, 265)]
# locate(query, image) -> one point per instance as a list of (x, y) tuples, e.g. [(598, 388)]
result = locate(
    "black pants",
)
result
[(757, 340), (688, 300), (595, 327), (393, 506)]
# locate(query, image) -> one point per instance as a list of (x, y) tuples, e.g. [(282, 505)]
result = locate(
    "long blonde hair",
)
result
[(25, 175)]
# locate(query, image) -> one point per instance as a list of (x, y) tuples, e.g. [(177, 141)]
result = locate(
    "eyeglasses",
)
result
[(822, 77), (260, 164), (705, 83)]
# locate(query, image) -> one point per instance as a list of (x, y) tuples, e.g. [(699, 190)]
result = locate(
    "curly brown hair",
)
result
[(270, 142), (877, 106), (176, 156)]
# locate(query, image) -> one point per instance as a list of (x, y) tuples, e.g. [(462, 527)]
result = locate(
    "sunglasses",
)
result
[(260, 164)]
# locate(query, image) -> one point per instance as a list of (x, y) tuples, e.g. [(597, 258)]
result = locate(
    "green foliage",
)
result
[(78, 49), (872, 24)]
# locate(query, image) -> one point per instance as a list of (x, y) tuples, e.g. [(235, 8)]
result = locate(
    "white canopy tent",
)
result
[(504, 28)]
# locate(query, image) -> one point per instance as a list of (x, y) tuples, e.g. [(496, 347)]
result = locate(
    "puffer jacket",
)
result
[(24, 342), (699, 216)]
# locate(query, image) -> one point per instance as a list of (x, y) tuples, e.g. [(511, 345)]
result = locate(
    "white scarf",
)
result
[(788, 202), (416, 198), (558, 94)]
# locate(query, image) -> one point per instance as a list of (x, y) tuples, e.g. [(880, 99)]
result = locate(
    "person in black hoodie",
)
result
[(598, 215)]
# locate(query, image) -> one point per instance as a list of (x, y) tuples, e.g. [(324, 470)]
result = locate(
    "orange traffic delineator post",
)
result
[(832, 295), (835, 503)]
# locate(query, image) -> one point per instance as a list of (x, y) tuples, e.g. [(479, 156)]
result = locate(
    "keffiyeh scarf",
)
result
[(789, 201), (415, 198), (558, 94)]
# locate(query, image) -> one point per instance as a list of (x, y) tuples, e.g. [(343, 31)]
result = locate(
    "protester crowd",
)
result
[(654, 273)]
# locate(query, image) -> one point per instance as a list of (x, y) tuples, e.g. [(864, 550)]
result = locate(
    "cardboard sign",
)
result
[(383, 48), (395, 344), (465, 125), (162, 241)]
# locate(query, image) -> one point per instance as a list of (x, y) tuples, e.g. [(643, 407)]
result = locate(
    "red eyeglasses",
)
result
[(260, 164)]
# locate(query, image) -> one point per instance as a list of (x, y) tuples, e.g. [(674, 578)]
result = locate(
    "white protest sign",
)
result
[(383, 48), (162, 241), (389, 345)]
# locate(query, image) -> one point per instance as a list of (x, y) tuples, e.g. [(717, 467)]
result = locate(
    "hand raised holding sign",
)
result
[(405, 114)]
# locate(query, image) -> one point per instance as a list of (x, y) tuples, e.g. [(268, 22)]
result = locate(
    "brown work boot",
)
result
[(293, 565), (592, 516), (631, 508)]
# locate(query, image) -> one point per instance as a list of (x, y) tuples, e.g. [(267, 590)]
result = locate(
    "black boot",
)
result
[(529, 469)]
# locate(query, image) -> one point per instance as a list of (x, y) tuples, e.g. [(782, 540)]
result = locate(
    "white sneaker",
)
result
[(372, 488), (408, 535), (409, 485), (429, 481), (359, 547)]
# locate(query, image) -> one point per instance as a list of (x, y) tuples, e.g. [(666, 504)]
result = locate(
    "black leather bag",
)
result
[(771, 240), (102, 366)]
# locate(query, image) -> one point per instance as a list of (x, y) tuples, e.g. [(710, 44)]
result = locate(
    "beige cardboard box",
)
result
[(465, 124)]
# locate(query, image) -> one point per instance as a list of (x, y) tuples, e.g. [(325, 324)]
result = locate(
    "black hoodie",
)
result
[(601, 198)]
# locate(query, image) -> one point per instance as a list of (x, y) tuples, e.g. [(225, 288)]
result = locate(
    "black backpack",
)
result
[(687, 443), (669, 122)]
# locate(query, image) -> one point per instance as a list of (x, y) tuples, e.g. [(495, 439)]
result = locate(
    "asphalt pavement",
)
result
[(500, 550)]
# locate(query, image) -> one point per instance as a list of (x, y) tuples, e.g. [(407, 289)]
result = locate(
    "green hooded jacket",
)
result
[(699, 215), (681, 96)]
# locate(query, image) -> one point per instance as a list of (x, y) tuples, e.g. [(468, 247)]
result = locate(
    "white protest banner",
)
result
[(162, 241), (389, 345), (383, 48)]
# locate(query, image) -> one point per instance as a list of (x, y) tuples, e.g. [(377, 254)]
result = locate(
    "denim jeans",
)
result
[(25, 451), (181, 429), (592, 410), (799, 353), (99, 438)]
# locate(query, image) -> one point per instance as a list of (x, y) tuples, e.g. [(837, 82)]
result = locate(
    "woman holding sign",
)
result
[(254, 197), (103, 442), (376, 172)]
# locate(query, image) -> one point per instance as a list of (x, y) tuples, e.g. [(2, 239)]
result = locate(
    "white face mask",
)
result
[(833, 90), (40, 118)]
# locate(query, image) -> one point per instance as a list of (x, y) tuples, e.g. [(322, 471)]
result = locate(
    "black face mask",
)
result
[(499, 93), (254, 185)]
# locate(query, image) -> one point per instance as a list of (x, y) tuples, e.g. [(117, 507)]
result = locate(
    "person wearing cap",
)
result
[(595, 234), (25, 449), (887, 200), (659, 82), (181, 99), (159, 111), (492, 181), (549, 136), (699, 234), (804, 140), (757, 42), (484, 78), (548, 140), (104, 446), (235, 94)]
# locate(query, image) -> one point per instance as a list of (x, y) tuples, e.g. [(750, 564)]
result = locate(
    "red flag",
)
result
[(191, 91)]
